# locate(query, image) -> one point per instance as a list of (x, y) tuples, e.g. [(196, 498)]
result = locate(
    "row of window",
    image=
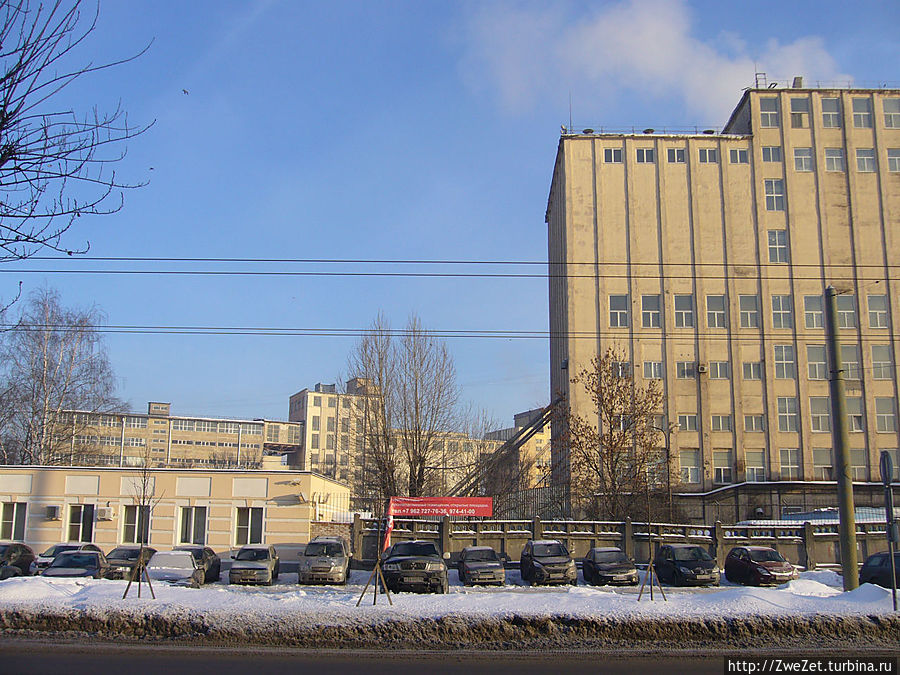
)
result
[(331, 402), (863, 115), (749, 308)]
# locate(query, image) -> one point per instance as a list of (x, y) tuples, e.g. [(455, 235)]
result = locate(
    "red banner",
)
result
[(442, 506)]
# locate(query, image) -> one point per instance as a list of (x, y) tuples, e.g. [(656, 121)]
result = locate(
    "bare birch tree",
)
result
[(53, 362)]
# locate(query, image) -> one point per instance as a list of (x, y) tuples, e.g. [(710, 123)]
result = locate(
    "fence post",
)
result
[(719, 543), (537, 528), (628, 538), (445, 534), (809, 546), (356, 540)]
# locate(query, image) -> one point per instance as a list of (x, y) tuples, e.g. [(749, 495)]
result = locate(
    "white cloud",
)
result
[(521, 53)]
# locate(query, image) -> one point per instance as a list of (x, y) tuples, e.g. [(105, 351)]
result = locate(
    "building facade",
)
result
[(704, 258)]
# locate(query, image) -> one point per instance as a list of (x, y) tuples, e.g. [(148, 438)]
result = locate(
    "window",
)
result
[(252, 429), (768, 112), (81, 522), (749, 311), (846, 310), (690, 466), (687, 422), (885, 415), (715, 311), (653, 370), (834, 159), (685, 370), (136, 525), (778, 246), (329, 441), (771, 153), (865, 160), (803, 159), (345, 425), (650, 313), (273, 433), (782, 312), (316, 422), (854, 414), (314, 442), (831, 113), (787, 413), (684, 311), (820, 413), (882, 366), (850, 361), (816, 361), (754, 423), (721, 423), (722, 466), (618, 311), (709, 156), (739, 156), (12, 523), (893, 160), (332, 402), (612, 155), (719, 370), (676, 155), (774, 189), (858, 465), (822, 464), (752, 370), (862, 113), (140, 423), (799, 113), (193, 525), (621, 368), (790, 463), (813, 313), (755, 461), (785, 368), (330, 424), (317, 401), (248, 528), (891, 112), (645, 156)]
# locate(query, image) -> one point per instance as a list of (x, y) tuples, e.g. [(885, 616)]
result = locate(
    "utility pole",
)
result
[(841, 440)]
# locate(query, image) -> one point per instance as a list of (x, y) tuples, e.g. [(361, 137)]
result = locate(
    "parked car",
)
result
[(325, 559), (208, 560), (80, 563), (123, 559), (547, 562), (608, 565), (415, 566), (42, 561), (686, 564), (757, 566), (481, 565), (877, 569), (176, 567), (15, 560), (256, 564)]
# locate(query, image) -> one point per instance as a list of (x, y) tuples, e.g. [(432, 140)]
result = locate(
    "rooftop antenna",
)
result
[(570, 109), (761, 80)]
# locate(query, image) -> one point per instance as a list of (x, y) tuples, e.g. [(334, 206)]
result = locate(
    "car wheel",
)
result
[(10, 571), (444, 587)]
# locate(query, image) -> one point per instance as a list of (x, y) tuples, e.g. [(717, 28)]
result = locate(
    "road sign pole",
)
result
[(887, 475)]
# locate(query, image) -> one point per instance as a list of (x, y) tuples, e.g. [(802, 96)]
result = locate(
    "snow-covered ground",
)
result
[(814, 593)]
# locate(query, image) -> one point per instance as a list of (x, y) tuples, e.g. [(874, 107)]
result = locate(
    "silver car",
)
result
[(176, 567), (325, 560), (257, 564), (481, 565)]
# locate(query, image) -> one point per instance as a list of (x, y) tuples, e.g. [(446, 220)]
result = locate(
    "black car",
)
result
[(207, 559), (123, 559), (15, 560), (757, 565), (415, 566), (608, 565), (877, 569), (481, 565), (78, 564), (547, 562), (686, 564)]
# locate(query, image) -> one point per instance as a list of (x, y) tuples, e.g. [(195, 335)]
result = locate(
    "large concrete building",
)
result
[(704, 257)]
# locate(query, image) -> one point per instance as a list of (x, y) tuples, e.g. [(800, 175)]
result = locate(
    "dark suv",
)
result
[(15, 560), (415, 566), (547, 562), (686, 564), (877, 569)]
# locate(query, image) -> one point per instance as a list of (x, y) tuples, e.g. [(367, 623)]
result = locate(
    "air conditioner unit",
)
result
[(702, 368), (104, 513), (52, 513)]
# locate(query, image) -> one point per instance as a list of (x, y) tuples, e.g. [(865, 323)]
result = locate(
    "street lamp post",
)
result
[(667, 433)]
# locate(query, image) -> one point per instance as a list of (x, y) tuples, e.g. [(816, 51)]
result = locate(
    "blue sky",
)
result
[(389, 130)]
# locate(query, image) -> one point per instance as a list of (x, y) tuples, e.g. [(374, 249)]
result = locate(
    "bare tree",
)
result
[(55, 165), (614, 456), (144, 499), (53, 362)]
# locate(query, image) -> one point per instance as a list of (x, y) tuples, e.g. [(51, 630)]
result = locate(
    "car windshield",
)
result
[(547, 550), (423, 548), (197, 553), (610, 557), (481, 555), (691, 553), (765, 555), (252, 554), (75, 560), (122, 553), (57, 549), (177, 559), (330, 549)]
